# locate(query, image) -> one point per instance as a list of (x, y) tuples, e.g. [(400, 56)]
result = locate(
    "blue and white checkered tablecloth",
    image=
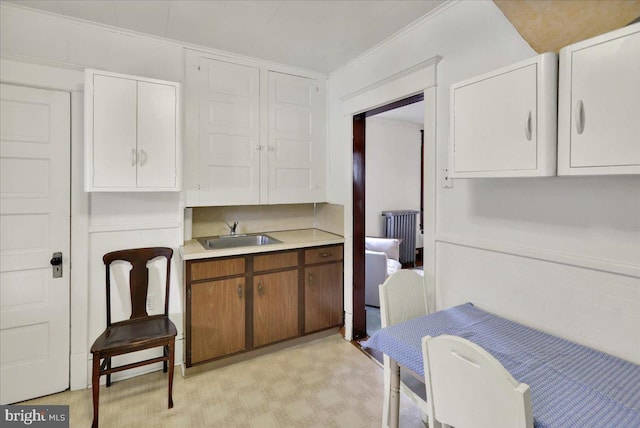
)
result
[(571, 385)]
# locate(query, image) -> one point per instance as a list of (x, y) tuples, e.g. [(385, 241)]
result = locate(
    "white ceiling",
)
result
[(320, 35)]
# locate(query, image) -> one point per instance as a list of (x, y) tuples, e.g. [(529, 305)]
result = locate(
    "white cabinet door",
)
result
[(132, 133), (503, 122), (600, 105), (157, 163), (229, 137), (296, 143), (114, 132)]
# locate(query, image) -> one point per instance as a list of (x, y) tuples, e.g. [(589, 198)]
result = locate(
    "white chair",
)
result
[(403, 297), (468, 387)]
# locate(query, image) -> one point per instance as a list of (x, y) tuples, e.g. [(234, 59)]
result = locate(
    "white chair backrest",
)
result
[(402, 297), (468, 387)]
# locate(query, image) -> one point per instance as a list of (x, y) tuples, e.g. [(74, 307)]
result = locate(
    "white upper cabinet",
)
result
[(254, 136), (132, 133), (599, 105), (229, 132), (296, 144), (503, 123)]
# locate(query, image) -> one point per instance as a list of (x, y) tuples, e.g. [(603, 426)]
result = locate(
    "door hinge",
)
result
[(189, 294)]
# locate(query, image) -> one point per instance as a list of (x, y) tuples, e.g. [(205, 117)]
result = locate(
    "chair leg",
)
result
[(171, 366), (95, 386), (109, 375), (165, 350)]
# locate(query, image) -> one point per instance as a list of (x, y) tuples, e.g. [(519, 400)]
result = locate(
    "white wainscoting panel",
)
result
[(594, 308)]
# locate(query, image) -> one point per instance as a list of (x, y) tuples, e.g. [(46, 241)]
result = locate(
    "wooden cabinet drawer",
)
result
[(217, 268), (323, 254), (275, 261)]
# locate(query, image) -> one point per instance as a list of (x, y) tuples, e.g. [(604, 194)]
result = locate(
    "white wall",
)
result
[(101, 222), (392, 162), (571, 245), (45, 50)]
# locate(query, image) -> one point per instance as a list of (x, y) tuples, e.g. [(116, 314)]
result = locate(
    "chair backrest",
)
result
[(138, 277), (402, 297), (468, 387)]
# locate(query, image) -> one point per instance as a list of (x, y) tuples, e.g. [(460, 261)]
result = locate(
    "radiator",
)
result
[(402, 225)]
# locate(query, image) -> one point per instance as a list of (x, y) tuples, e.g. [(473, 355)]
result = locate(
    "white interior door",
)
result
[(34, 223)]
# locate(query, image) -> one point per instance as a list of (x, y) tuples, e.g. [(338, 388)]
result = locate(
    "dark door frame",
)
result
[(359, 147)]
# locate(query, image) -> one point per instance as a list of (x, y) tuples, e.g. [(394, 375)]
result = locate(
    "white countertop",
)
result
[(291, 239)]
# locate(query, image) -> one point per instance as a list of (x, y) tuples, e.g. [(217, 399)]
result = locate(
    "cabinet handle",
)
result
[(260, 289), (134, 157), (143, 157), (528, 130), (240, 291), (325, 254), (310, 280), (579, 117)]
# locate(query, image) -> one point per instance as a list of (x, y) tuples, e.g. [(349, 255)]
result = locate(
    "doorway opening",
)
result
[(359, 204)]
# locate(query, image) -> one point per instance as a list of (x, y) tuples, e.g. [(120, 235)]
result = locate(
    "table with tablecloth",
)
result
[(571, 385)]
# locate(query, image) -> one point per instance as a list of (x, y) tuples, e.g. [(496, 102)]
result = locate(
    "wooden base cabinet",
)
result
[(240, 303), (323, 297), (275, 307), (217, 319), (323, 291)]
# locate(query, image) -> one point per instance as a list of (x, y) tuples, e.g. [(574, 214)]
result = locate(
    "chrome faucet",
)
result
[(232, 228)]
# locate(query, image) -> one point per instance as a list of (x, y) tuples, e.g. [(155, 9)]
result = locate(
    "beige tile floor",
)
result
[(324, 383)]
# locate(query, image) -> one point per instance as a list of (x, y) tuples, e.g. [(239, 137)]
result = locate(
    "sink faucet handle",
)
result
[(232, 228)]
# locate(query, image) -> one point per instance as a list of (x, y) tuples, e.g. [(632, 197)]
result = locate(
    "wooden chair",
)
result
[(141, 331), (468, 387), (403, 297)]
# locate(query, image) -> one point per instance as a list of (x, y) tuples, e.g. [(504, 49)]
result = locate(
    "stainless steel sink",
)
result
[(234, 241)]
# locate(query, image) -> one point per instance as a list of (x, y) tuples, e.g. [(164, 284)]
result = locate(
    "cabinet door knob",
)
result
[(579, 117), (240, 291), (310, 279), (528, 129), (260, 289)]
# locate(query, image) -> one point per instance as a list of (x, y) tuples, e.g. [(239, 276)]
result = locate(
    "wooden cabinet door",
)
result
[(275, 307), (114, 148), (323, 296), (605, 106), (157, 157), (217, 318)]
